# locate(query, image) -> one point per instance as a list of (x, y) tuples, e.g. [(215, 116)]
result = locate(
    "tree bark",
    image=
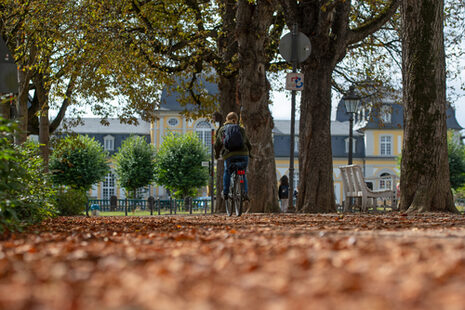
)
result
[(21, 106), (425, 183), (253, 23), (44, 123), (316, 187), (5, 108)]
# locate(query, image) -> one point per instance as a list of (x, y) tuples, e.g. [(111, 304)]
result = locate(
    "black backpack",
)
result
[(232, 138), (284, 192)]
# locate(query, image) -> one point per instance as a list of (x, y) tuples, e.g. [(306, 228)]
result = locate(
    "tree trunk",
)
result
[(5, 108), (21, 106), (425, 183), (44, 136), (253, 22), (44, 123), (316, 188)]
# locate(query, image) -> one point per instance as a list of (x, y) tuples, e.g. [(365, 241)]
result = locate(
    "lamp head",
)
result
[(351, 100)]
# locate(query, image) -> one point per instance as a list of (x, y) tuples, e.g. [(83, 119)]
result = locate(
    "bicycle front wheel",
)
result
[(229, 206), (229, 202)]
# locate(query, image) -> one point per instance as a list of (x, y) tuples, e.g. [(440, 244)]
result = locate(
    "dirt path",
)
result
[(253, 262)]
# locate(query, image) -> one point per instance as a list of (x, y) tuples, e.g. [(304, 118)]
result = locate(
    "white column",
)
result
[(161, 129), (154, 133)]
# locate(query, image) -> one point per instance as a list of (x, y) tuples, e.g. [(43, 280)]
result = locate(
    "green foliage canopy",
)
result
[(178, 165), (135, 163), (78, 162)]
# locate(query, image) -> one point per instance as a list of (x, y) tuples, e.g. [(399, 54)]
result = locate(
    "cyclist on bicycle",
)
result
[(233, 148)]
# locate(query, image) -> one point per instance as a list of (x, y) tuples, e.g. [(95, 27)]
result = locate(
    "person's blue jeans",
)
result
[(227, 176)]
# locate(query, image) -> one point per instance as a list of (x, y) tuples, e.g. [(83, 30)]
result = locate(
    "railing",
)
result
[(156, 206)]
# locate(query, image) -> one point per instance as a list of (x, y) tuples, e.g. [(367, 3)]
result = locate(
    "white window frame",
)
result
[(386, 182), (385, 147), (203, 130), (354, 144), (142, 192), (385, 114), (108, 186), (296, 179), (109, 143)]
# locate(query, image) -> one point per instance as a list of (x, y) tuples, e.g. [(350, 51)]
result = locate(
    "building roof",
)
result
[(283, 127), (171, 97), (94, 125)]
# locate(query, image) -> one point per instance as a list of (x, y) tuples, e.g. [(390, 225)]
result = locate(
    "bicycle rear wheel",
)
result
[(237, 196), (229, 206)]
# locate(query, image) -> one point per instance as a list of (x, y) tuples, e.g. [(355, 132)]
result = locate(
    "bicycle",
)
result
[(236, 189)]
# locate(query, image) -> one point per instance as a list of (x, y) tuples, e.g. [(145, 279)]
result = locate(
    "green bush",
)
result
[(26, 195), (178, 164), (78, 162), (134, 164), (70, 202)]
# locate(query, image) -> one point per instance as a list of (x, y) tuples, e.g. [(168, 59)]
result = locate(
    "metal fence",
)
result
[(154, 206)]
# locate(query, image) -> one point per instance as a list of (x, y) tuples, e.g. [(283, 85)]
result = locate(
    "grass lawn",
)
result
[(147, 213)]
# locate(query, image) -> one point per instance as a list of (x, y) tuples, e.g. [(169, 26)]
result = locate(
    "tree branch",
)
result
[(360, 33), (65, 104)]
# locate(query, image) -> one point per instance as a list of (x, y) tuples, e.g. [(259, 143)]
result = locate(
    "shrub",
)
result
[(135, 163), (70, 202), (78, 162), (178, 164), (25, 190)]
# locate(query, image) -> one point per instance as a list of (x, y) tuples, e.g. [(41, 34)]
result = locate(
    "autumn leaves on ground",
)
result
[(391, 261)]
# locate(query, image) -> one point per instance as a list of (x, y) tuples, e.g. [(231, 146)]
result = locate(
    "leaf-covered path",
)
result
[(254, 262)]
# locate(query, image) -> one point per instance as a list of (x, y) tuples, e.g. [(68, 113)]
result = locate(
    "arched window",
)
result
[(109, 143), (203, 130), (385, 114), (354, 145), (386, 181)]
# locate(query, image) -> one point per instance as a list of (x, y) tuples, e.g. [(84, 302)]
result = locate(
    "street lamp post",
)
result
[(351, 101)]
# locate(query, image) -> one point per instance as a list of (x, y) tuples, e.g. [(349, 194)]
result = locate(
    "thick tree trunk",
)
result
[(21, 107), (316, 188), (425, 184), (253, 22), (5, 108), (44, 136), (44, 123)]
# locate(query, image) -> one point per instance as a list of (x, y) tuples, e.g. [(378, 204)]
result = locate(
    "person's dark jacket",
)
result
[(219, 147), (283, 191)]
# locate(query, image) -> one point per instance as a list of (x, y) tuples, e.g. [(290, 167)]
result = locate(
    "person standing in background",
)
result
[(283, 193)]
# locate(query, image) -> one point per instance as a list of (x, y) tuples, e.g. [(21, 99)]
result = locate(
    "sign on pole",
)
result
[(295, 47), (294, 81), (303, 46)]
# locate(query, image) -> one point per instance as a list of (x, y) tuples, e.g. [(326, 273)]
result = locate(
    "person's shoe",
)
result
[(245, 197)]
